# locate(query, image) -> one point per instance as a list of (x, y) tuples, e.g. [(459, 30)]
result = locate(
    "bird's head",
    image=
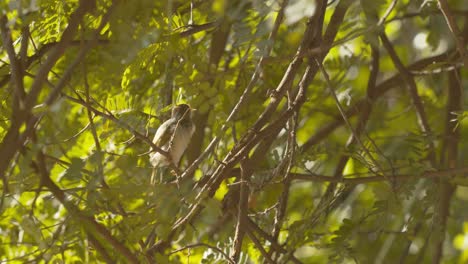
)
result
[(182, 112)]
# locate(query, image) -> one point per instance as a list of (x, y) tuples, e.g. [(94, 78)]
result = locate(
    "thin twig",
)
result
[(93, 127), (15, 63), (415, 98), (252, 227), (58, 51), (243, 98), (283, 199), (256, 133), (13, 140), (345, 119), (246, 172), (380, 90), (260, 247), (387, 12), (111, 117), (450, 156), (457, 35), (87, 222), (228, 259), (460, 172)]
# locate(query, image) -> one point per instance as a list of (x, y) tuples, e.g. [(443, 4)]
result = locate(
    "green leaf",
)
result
[(74, 171)]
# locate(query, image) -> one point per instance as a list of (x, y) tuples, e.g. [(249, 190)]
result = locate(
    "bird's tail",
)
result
[(153, 177), (159, 175)]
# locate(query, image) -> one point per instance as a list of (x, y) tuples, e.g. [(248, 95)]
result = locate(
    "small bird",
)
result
[(173, 136)]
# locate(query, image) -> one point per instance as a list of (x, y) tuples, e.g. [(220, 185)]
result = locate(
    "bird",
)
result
[(173, 136)]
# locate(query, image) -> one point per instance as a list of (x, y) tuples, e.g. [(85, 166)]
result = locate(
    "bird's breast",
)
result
[(176, 147), (180, 143)]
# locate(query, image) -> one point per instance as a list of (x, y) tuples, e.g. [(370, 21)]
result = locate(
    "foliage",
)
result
[(328, 132)]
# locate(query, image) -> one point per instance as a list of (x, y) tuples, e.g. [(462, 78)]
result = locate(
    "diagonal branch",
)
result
[(13, 140), (288, 164), (461, 172), (446, 189), (111, 117), (242, 208), (243, 98), (254, 135), (354, 134), (254, 228), (15, 63), (40, 52), (220, 251), (58, 51), (89, 224), (380, 89), (457, 34), (260, 248), (354, 138), (413, 91)]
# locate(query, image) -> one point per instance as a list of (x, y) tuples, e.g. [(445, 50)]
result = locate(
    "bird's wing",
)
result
[(164, 133)]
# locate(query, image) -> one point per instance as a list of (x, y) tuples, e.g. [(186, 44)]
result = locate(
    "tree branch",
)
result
[(457, 34), (227, 258), (109, 116), (12, 140), (354, 138), (413, 91), (88, 223), (361, 180), (252, 137), (452, 139), (15, 63), (242, 208)]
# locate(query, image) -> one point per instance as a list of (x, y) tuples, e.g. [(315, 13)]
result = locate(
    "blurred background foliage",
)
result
[(152, 54)]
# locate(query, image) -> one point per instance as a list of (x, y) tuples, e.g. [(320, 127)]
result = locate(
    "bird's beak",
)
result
[(193, 112)]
